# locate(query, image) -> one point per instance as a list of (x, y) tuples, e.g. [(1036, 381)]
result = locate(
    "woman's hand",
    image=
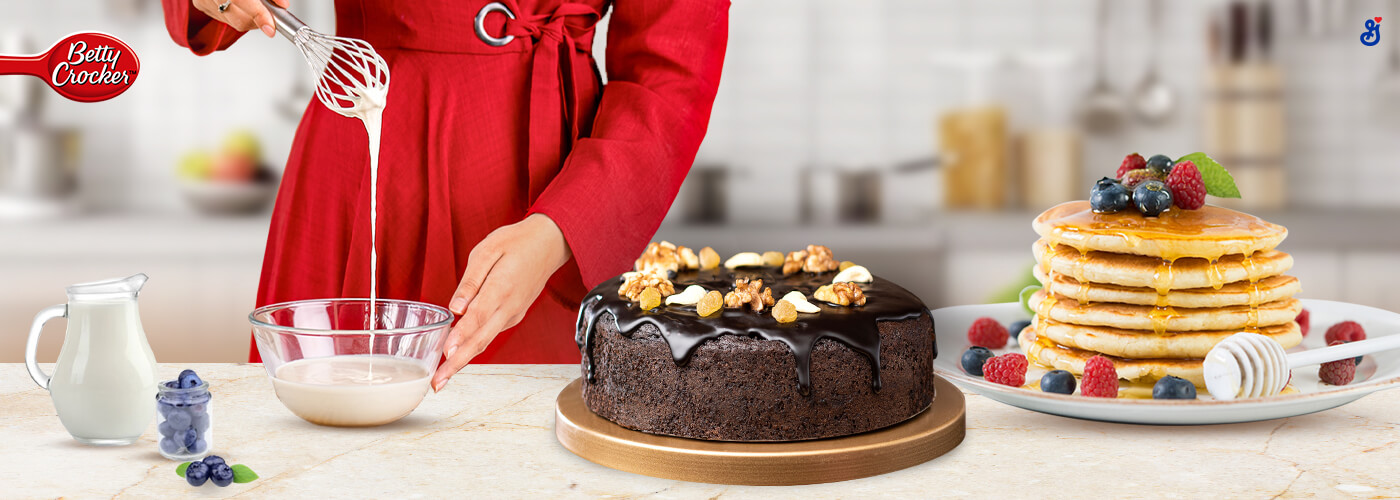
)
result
[(242, 15), (505, 273)]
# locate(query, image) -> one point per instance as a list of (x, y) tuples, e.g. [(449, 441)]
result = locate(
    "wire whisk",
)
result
[(348, 70)]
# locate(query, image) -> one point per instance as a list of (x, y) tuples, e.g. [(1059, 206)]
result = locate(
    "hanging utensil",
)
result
[(1154, 100), (1102, 108)]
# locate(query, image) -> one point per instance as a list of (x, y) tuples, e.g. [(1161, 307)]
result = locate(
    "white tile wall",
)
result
[(807, 82)]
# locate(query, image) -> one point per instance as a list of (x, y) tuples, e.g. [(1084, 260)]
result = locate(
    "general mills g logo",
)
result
[(1372, 35), (84, 67)]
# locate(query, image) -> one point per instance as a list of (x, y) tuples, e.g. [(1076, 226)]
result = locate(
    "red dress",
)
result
[(479, 136)]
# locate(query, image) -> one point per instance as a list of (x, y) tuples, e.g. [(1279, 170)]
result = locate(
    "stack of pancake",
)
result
[(1154, 294)]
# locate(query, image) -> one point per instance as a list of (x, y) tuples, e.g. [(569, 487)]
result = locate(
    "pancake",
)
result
[(1144, 344), (1231, 294), (1058, 357), (1209, 232), (1170, 319), (1150, 272)]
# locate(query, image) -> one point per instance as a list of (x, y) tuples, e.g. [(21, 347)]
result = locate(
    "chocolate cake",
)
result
[(741, 375)]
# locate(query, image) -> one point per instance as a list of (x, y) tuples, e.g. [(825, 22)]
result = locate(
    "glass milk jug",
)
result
[(105, 378)]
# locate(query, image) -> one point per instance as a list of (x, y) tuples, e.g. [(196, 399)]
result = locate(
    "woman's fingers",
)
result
[(479, 264), (242, 15), (262, 17), (473, 343), (488, 301), (499, 305)]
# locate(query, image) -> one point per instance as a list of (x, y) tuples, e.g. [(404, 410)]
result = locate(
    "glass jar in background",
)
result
[(184, 420)]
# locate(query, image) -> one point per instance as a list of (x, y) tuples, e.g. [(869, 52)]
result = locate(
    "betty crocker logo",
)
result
[(84, 67)]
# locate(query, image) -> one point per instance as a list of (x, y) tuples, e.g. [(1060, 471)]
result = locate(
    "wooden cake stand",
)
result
[(928, 435)]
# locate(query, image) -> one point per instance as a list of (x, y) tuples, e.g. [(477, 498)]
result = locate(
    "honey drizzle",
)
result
[(1217, 279), (1252, 272), (1163, 280), (1079, 265)]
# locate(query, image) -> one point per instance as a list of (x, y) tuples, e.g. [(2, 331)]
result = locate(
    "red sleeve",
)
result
[(663, 65), (193, 29)]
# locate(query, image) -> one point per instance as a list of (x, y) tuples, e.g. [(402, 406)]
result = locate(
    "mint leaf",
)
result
[(1218, 181), (180, 469), (242, 474), (1026, 294)]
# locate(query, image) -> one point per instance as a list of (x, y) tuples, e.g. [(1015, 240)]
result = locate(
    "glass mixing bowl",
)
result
[(328, 368)]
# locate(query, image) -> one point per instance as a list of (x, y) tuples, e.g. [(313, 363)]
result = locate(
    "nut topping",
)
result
[(688, 297), (800, 301), (688, 258), (841, 294), (659, 258), (749, 293), (815, 259), (744, 259), (635, 283), (857, 274)]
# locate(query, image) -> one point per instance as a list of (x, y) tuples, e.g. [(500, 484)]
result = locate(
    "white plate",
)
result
[(1376, 372)]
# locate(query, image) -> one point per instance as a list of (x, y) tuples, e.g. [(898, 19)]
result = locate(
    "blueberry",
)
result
[(163, 407), (189, 380), (1015, 328), (1152, 197), (165, 429), (178, 419), (221, 474), (200, 422), (1159, 165), (1172, 387), (1108, 196), (169, 446), (1058, 382), (173, 384), (213, 460), (973, 359), (197, 473), (190, 436), (200, 446)]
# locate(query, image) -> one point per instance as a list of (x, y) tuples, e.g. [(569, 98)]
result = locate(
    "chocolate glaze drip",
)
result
[(684, 330)]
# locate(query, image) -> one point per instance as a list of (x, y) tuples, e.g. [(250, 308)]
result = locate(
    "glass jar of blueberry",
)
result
[(184, 417)]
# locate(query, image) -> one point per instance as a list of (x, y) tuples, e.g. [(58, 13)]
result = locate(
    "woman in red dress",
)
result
[(511, 179)]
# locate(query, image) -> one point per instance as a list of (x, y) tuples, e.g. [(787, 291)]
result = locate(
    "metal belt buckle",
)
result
[(480, 24)]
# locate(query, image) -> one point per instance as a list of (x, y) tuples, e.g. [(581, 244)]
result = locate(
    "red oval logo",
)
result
[(84, 67)]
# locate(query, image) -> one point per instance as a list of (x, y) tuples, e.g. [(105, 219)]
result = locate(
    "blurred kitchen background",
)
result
[(917, 137)]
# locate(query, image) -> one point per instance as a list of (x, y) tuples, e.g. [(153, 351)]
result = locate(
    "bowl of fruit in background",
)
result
[(230, 181), (330, 366)]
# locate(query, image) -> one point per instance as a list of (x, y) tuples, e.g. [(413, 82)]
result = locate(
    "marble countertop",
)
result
[(490, 434)]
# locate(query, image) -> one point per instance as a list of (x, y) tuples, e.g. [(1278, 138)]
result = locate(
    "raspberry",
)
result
[(1131, 162), (987, 332), (1006, 369), (1346, 331), (1188, 190), (1135, 177), (1339, 372), (1304, 320), (1100, 378)]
